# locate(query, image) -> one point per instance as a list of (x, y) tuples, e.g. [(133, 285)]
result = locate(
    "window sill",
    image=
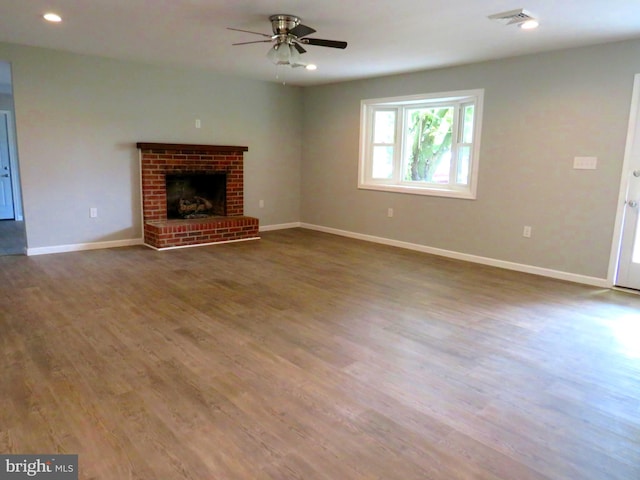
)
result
[(433, 192)]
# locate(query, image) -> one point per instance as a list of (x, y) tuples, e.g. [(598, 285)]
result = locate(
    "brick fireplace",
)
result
[(200, 225)]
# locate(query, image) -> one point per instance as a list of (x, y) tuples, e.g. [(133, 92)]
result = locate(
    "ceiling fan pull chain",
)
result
[(280, 72)]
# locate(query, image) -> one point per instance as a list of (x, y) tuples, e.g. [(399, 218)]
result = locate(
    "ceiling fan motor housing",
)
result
[(283, 23)]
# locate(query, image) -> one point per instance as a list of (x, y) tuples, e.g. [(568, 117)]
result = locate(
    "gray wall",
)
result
[(539, 112), (79, 117)]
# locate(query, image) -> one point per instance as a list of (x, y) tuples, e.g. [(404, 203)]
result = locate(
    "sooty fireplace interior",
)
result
[(196, 195)]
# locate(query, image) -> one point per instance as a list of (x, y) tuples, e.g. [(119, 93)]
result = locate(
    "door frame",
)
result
[(13, 162), (625, 178)]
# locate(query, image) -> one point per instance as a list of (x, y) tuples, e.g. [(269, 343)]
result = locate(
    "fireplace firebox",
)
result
[(196, 195)]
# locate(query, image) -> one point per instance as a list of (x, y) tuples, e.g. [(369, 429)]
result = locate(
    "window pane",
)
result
[(443, 170), (382, 162), (428, 144), (467, 124), (464, 155), (384, 126)]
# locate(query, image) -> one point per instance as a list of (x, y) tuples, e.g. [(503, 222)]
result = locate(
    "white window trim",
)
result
[(367, 107)]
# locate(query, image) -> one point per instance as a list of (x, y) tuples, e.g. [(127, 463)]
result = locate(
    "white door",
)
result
[(628, 274), (6, 192)]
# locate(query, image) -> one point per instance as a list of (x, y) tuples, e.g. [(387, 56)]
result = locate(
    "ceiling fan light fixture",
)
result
[(284, 54), (294, 56)]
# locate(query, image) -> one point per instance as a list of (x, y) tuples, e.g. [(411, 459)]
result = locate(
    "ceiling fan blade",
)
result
[(301, 31), (324, 43), (255, 41), (299, 48), (248, 31)]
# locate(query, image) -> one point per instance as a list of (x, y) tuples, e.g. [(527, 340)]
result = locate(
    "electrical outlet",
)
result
[(93, 212), (526, 231), (198, 123), (390, 212), (261, 204)]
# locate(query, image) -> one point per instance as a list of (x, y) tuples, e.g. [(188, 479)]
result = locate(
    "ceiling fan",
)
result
[(288, 38)]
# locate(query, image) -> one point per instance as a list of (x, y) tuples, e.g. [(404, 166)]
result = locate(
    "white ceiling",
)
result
[(384, 36)]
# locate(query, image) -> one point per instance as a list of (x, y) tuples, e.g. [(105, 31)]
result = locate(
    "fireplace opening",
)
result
[(196, 195)]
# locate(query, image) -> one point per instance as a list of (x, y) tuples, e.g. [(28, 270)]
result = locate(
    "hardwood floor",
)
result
[(310, 356)]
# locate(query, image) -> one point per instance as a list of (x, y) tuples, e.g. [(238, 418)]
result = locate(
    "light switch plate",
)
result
[(585, 163)]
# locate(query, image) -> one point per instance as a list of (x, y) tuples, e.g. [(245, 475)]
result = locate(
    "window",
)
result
[(422, 144)]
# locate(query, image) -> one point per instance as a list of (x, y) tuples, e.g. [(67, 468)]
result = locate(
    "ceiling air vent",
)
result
[(512, 17)]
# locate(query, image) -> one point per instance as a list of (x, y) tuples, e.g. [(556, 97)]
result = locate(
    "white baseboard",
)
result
[(519, 267), (546, 272), (281, 226), (83, 246)]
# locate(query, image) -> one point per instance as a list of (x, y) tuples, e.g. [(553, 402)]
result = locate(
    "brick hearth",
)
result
[(159, 159)]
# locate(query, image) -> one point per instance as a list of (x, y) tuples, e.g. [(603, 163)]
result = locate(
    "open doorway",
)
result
[(12, 232)]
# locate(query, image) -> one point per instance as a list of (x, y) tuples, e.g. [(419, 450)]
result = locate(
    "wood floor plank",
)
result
[(311, 356)]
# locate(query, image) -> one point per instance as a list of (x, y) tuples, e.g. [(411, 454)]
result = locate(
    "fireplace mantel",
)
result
[(186, 146), (157, 160)]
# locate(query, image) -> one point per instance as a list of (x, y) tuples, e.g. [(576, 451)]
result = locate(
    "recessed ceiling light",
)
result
[(520, 17), (311, 66), (529, 24), (52, 17)]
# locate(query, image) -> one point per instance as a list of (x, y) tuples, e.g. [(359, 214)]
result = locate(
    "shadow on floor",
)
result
[(13, 240)]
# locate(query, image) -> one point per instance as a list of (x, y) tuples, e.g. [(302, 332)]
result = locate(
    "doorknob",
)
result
[(636, 173), (632, 203), (4, 175)]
